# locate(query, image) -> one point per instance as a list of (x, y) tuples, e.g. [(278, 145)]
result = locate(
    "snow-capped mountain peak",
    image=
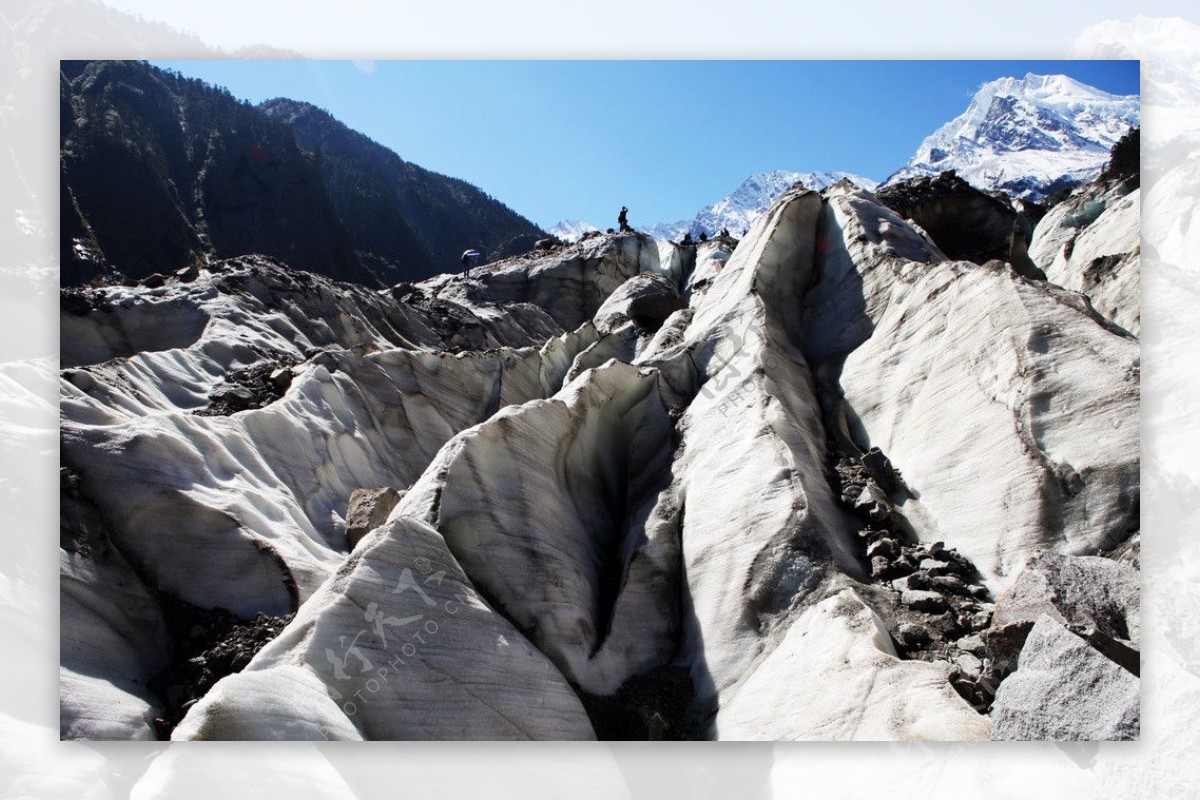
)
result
[(572, 230), (1028, 136), (738, 210)]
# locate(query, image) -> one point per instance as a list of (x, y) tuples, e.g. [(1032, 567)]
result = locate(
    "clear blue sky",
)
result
[(578, 139)]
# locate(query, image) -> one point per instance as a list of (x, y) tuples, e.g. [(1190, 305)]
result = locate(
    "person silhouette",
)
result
[(468, 257)]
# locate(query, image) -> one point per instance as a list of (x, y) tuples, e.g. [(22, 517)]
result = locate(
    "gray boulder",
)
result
[(1066, 690), (1095, 597), (647, 299), (367, 510), (1076, 590)]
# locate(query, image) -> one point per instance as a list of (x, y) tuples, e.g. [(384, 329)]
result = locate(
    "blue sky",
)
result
[(578, 139)]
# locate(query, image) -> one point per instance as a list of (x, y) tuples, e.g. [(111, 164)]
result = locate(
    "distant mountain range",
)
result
[(160, 171), (737, 211), (1028, 137), (572, 230)]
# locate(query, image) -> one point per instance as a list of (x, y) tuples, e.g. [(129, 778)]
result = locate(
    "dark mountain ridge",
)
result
[(163, 171), (405, 220), (160, 171)]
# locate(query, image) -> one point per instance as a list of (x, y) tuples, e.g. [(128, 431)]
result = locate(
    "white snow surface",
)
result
[(572, 230), (1026, 135), (1091, 243), (739, 210)]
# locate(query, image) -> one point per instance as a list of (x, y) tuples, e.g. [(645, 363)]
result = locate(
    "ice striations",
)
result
[(969, 375), (1091, 243), (397, 646), (766, 570), (743, 490), (222, 467)]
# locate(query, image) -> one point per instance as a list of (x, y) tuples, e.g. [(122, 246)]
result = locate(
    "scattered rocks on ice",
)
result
[(209, 644)]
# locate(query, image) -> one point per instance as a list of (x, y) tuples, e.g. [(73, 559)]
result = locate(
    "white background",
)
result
[(36, 34)]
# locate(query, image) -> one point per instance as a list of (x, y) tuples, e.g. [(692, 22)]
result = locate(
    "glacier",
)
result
[(781, 488)]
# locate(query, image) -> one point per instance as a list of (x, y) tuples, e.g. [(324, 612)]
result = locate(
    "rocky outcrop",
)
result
[(1096, 598), (966, 223), (367, 509), (1065, 690), (1084, 592), (569, 284)]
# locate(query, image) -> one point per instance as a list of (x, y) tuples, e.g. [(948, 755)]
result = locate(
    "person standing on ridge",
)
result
[(623, 219), (467, 257)]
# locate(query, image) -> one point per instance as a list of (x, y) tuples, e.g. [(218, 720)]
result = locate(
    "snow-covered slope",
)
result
[(572, 230), (738, 210), (1090, 243), (1028, 136)]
